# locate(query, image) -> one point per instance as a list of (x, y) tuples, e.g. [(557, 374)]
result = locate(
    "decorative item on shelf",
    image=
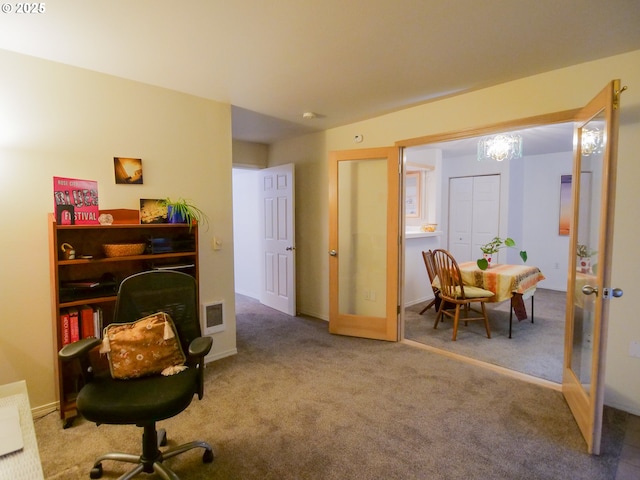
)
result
[(68, 252), (429, 227), (492, 247), (105, 219), (182, 211), (75, 201), (584, 254), (123, 249)]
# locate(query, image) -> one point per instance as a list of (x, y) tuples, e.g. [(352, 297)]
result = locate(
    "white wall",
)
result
[(57, 120), (554, 91), (246, 232)]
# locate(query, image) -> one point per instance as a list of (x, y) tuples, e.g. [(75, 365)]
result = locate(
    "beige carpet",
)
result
[(299, 403)]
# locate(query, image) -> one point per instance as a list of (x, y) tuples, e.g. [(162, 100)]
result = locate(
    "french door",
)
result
[(363, 243), (589, 289)]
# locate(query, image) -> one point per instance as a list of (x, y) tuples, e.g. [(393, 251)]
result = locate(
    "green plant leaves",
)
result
[(482, 263)]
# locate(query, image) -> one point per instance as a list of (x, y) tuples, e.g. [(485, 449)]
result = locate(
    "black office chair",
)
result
[(144, 401)]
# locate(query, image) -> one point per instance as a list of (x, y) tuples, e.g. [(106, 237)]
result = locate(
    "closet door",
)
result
[(474, 214)]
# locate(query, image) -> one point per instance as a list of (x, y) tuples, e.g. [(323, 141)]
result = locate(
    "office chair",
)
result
[(455, 295), (146, 400)]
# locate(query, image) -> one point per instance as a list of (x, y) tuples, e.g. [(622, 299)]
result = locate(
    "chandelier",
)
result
[(592, 141), (504, 146)]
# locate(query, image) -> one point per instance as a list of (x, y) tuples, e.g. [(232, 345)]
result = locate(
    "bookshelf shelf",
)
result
[(168, 246)]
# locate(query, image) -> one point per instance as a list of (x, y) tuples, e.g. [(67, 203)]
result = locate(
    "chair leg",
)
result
[(151, 459), (439, 316), (455, 322), (486, 319), (431, 304)]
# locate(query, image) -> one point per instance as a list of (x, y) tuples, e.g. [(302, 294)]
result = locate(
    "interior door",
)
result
[(363, 242), (588, 289), (278, 268)]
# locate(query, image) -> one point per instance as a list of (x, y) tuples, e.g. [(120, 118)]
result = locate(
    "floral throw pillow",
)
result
[(145, 347)]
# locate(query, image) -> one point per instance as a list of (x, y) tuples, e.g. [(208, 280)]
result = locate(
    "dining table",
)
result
[(508, 282)]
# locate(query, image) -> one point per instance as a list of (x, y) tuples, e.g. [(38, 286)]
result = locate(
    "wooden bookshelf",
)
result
[(177, 245)]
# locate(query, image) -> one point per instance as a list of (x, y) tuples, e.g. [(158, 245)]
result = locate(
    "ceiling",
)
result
[(344, 60)]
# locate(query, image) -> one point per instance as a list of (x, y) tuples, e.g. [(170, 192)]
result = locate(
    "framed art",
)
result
[(153, 210), (127, 171)]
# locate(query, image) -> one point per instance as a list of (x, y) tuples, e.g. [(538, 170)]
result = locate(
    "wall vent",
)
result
[(213, 317)]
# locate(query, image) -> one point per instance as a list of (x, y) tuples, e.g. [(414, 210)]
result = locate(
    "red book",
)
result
[(64, 328), (86, 322), (74, 324)]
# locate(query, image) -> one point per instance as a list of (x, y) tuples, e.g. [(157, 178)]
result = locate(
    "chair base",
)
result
[(151, 459)]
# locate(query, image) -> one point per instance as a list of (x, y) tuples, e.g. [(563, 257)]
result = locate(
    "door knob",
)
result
[(333, 253), (617, 292), (288, 249), (589, 290)]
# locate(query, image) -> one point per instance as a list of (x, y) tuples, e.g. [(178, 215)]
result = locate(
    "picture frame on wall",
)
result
[(128, 171)]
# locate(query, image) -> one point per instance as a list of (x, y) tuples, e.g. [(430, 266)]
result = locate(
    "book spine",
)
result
[(64, 328), (86, 320), (74, 324), (97, 321)]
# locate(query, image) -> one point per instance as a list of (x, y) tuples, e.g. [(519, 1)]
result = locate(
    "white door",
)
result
[(474, 214), (486, 213), (460, 217), (277, 195)]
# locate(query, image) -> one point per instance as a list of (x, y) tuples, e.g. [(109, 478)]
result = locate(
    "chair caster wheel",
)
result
[(207, 456), (96, 472)]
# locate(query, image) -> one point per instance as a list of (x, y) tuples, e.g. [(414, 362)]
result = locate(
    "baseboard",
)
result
[(43, 410), (317, 315), (415, 302), (217, 356)]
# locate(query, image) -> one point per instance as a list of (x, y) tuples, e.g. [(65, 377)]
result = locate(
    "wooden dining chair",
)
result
[(455, 295), (431, 272)]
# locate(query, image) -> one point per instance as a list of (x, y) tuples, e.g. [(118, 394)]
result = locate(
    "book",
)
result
[(74, 324), (97, 321), (86, 322), (75, 201), (65, 328)]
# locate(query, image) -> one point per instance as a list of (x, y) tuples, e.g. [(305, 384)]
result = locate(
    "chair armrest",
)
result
[(78, 349), (200, 346)]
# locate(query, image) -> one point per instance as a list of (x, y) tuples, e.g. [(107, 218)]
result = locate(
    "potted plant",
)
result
[(488, 249), (182, 211)]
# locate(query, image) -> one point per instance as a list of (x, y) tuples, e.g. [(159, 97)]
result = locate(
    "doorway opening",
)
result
[(528, 211)]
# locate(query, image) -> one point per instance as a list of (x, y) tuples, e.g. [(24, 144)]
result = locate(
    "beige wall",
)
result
[(57, 120), (546, 93)]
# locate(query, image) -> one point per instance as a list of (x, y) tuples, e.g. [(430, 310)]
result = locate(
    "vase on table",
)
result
[(584, 264), (487, 257)]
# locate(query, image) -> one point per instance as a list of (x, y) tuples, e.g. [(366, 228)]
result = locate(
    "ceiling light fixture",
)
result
[(504, 146), (309, 115), (592, 141)]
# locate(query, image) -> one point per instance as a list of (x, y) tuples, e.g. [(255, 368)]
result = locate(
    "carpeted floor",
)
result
[(535, 348), (299, 403)]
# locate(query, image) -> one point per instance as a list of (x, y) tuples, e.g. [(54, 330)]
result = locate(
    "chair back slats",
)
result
[(428, 262), (449, 275)]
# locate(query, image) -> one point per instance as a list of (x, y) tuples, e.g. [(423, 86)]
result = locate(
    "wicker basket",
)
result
[(123, 249)]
